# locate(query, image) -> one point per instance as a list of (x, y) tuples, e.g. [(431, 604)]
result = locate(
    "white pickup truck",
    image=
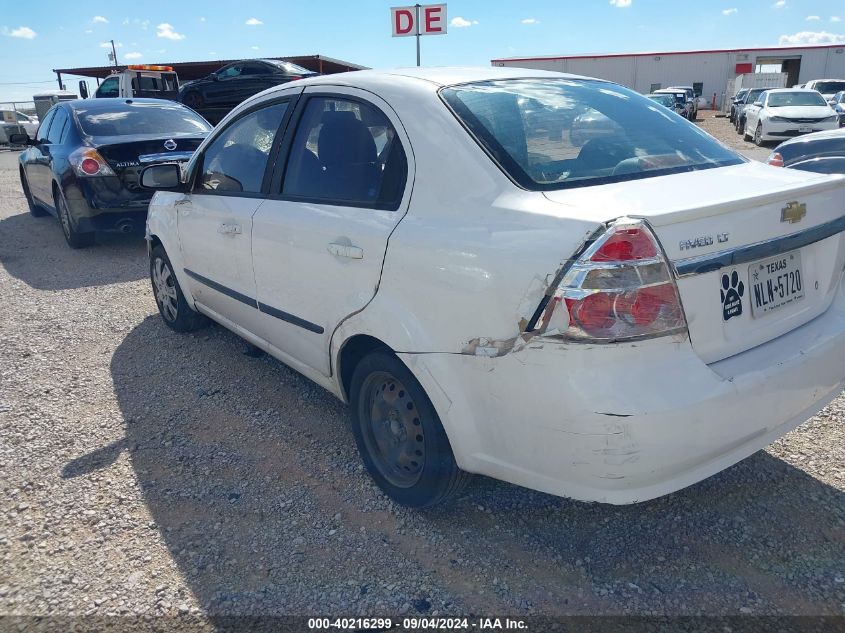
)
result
[(138, 80)]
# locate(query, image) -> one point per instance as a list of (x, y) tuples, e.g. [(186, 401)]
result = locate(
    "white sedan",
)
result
[(785, 113), (493, 299)]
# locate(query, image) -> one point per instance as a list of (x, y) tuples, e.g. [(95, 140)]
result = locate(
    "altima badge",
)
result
[(170, 145), (793, 212)]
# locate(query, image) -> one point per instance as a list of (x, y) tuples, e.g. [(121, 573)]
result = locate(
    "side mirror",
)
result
[(213, 77), (165, 177), (83, 89), (19, 139), (759, 104)]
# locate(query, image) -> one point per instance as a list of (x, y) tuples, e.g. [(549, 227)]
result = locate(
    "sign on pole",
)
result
[(417, 20)]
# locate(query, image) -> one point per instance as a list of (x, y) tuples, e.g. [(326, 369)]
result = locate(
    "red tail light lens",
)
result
[(86, 161), (620, 288), (775, 160)]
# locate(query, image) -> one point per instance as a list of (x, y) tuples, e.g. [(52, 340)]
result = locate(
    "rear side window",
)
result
[(57, 128), (559, 133), (237, 159), (346, 152)]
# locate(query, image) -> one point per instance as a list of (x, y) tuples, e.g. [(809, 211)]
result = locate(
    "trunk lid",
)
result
[(758, 249), (128, 154)]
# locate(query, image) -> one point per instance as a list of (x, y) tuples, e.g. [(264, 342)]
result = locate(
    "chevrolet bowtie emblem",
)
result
[(793, 212)]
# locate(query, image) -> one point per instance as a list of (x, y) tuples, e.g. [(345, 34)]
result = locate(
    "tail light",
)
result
[(619, 288), (87, 162), (775, 160)]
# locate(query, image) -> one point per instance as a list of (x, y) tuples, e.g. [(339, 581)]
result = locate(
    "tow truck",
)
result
[(137, 80)]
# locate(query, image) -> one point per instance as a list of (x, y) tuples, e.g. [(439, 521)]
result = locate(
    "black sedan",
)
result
[(820, 152), (227, 87), (84, 163)]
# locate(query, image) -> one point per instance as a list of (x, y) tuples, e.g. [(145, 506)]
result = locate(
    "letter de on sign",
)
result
[(403, 21)]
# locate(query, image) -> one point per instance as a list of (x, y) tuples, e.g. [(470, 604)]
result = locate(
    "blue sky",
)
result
[(34, 38)]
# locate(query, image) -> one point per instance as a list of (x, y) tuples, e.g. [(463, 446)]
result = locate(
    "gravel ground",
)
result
[(723, 129), (144, 472)]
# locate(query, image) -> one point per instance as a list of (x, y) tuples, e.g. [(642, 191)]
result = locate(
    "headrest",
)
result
[(345, 140)]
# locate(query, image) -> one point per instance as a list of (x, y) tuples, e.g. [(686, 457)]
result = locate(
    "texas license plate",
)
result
[(775, 283), (804, 129)]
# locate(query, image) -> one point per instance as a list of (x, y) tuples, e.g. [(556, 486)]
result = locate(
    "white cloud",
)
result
[(202, 18), (108, 45), (811, 37), (729, 11), (813, 18), (255, 48), (166, 31), (23, 32), (531, 21), (459, 22), (125, 22), (835, 18), (133, 55), (622, 4), (99, 19), (253, 22), (780, 4), (88, 31)]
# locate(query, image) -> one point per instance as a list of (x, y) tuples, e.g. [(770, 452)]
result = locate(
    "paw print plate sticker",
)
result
[(732, 290)]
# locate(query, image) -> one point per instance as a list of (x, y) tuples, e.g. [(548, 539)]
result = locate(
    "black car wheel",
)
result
[(399, 434), (171, 302), (34, 208), (193, 100), (73, 237)]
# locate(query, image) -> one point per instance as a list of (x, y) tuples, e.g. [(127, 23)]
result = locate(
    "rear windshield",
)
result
[(667, 100), (783, 99), (164, 118), (752, 95), (827, 87), (290, 68), (154, 83), (560, 133)]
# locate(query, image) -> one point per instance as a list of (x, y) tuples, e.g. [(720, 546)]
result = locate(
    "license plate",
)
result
[(775, 282), (804, 128)]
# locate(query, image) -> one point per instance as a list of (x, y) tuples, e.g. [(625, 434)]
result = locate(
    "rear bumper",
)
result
[(626, 423), (100, 205)]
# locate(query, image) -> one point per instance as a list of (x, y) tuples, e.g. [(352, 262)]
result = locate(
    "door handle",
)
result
[(229, 229), (182, 202), (346, 250)]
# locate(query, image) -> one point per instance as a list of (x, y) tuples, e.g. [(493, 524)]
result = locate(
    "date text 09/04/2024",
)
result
[(418, 623)]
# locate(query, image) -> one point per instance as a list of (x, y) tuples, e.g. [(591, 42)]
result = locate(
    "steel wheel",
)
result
[(392, 430), (758, 135), (64, 218), (165, 289)]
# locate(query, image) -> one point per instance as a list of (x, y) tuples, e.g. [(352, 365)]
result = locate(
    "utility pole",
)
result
[(114, 53), (417, 6)]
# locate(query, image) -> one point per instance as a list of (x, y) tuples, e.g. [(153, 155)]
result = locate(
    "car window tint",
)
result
[(584, 132), (346, 152), (139, 117), (58, 126), (109, 88), (255, 69), (236, 160), (230, 71), (45, 125)]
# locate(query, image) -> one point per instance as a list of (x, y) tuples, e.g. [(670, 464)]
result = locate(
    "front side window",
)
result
[(346, 152), (22, 117), (602, 133), (109, 88), (236, 159)]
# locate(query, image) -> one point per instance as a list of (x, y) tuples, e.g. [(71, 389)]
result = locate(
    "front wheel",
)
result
[(758, 135), (172, 306), (399, 434)]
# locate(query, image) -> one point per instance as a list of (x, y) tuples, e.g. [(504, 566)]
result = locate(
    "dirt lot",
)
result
[(144, 472)]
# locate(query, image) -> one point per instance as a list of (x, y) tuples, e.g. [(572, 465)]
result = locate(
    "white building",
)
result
[(707, 71)]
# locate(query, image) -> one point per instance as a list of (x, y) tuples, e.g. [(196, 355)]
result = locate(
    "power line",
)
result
[(26, 83)]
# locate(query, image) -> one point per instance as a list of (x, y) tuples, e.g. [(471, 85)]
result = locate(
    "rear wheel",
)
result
[(400, 437), (73, 237), (34, 208), (172, 306)]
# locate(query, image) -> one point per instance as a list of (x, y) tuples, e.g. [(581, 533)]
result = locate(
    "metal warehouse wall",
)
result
[(713, 69)]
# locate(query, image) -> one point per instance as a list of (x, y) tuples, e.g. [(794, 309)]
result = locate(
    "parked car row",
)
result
[(685, 102), (446, 318)]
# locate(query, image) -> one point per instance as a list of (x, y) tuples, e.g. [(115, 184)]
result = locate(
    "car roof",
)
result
[(438, 76), (779, 90)]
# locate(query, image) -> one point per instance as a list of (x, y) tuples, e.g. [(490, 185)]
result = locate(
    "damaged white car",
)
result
[(538, 277)]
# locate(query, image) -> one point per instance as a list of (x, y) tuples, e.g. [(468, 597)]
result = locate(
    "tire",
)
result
[(172, 306), (73, 237), (193, 100), (403, 446), (758, 135), (745, 135), (35, 209)]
